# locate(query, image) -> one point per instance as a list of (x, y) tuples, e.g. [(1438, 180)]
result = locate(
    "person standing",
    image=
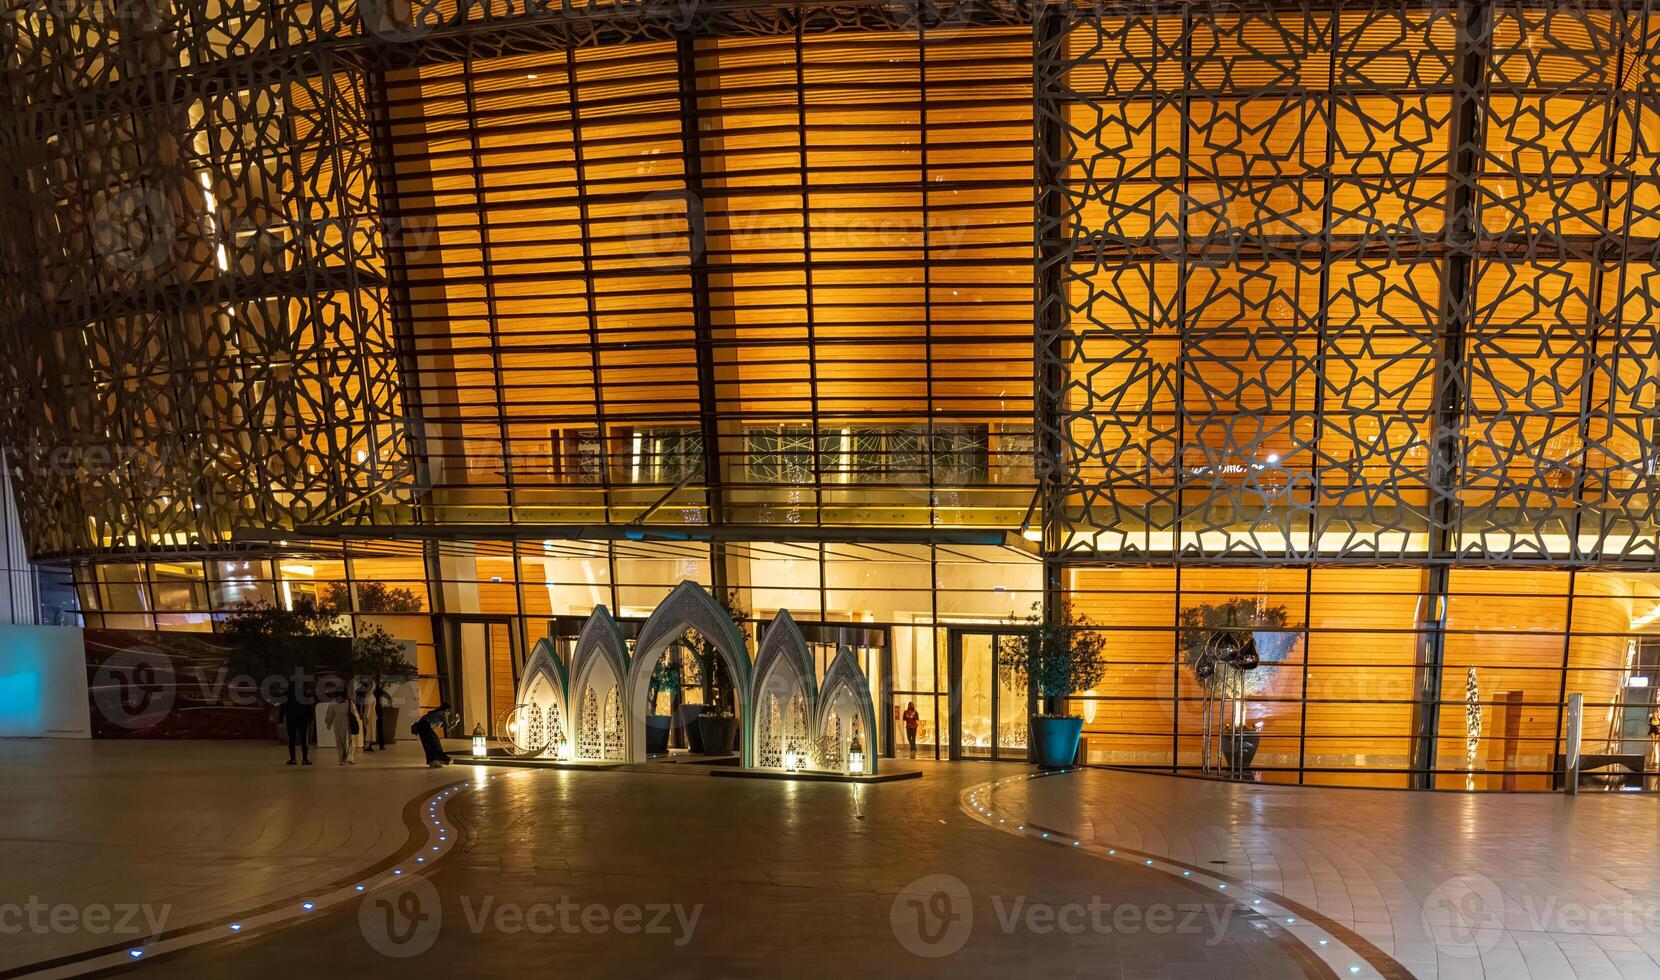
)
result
[(913, 718), (422, 729), (344, 723), (383, 705), (367, 713), (296, 714)]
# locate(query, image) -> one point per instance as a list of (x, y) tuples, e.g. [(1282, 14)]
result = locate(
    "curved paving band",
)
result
[(592, 710)]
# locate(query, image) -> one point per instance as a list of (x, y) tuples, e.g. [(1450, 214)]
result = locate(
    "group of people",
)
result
[(357, 722)]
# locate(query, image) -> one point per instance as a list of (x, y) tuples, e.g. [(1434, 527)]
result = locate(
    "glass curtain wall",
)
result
[(1336, 699), (775, 280)]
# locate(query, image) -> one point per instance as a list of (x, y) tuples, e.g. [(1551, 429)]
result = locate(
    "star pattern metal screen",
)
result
[(1312, 281), (197, 330), (1362, 280)]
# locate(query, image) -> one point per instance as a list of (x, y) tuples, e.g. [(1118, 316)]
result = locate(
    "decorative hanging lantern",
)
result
[(792, 760), (856, 754), (480, 749)]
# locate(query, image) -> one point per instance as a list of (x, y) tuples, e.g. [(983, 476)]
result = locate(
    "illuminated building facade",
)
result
[(905, 318)]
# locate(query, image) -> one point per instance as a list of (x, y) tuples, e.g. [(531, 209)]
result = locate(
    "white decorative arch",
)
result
[(688, 606), (785, 695), (599, 669), (543, 703), (843, 699)]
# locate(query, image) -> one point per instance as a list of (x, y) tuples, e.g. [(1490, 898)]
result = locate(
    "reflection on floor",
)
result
[(1450, 885)]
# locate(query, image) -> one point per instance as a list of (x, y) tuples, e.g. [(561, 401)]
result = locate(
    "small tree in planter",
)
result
[(1054, 661), (665, 679), (269, 641), (377, 656), (717, 723), (1223, 644)]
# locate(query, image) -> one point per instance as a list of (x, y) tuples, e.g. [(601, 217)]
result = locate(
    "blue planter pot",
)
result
[(1055, 741)]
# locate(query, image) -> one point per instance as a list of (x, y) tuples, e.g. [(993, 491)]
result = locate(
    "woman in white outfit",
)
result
[(366, 710), (341, 716)]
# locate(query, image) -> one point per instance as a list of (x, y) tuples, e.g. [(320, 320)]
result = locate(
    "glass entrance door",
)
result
[(988, 712), (485, 671)]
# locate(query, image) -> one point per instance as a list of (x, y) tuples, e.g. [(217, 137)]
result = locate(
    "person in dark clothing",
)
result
[(297, 714), (383, 705), (422, 729)]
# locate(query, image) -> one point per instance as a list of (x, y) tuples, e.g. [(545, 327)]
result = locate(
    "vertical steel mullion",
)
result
[(691, 150), (1054, 252), (1472, 32), (579, 171), (807, 273), (1302, 700), (1178, 469), (1322, 335), (476, 157), (927, 269)]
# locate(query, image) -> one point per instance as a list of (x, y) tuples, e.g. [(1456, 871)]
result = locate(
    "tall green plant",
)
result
[(665, 679), (378, 656), (706, 656), (270, 641), (1054, 660)]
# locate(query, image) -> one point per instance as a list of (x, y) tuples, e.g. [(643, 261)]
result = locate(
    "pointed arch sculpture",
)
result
[(594, 711), (785, 696), (688, 606), (844, 700), (599, 673), (542, 708)]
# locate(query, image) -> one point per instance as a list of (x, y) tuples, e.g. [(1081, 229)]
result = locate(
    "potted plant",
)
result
[(379, 656), (1223, 645), (1053, 660), (717, 723), (665, 679)]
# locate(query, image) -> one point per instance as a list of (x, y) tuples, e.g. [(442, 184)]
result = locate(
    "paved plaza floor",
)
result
[(973, 870)]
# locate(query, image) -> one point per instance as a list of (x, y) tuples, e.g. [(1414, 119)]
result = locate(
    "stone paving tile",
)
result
[(198, 828), (1541, 887), (792, 879), (1497, 887)]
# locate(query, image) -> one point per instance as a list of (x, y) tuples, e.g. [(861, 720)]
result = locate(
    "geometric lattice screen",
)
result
[(1371, 280), (1368, 280), (197, 306)]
